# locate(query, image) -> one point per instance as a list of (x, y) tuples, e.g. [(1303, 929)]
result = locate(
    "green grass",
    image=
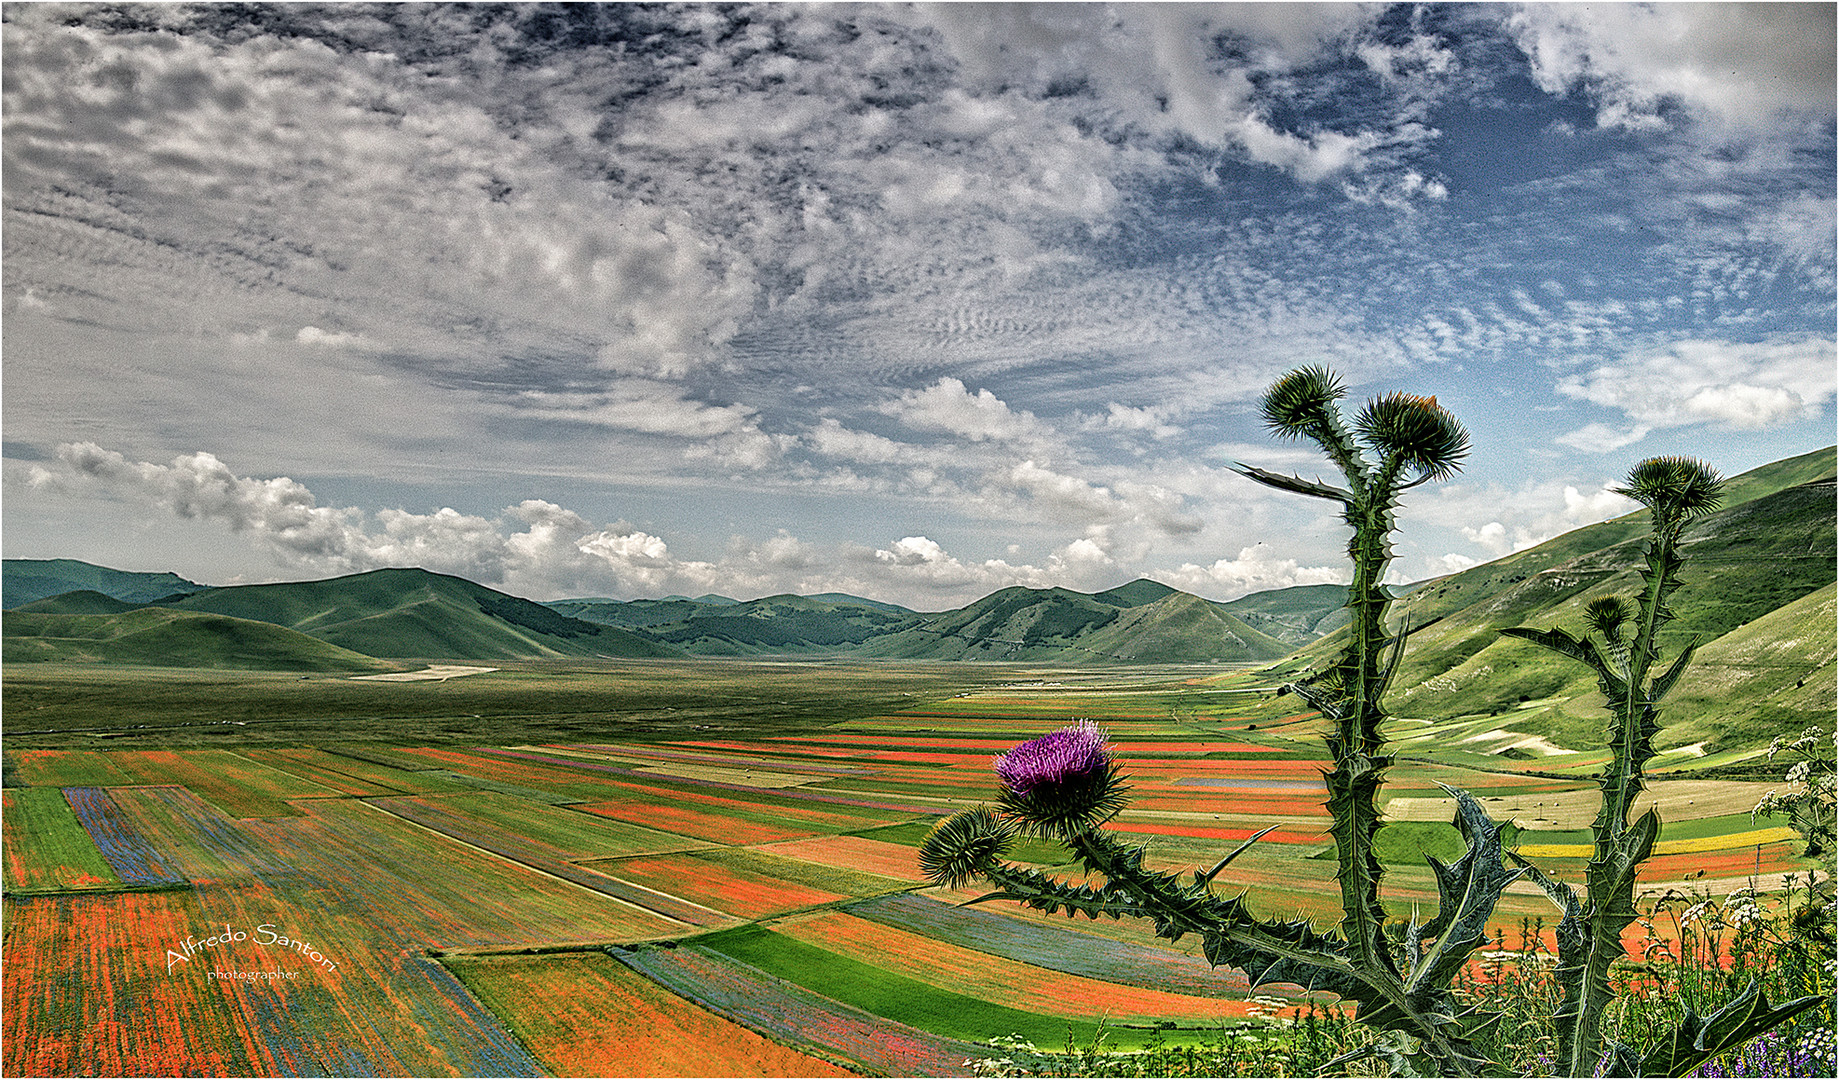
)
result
[(164, 638), (1026, 849), (47, 847), (895, 997)]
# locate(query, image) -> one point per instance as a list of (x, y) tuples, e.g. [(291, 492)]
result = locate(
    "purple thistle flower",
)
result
[(1074, 755), (1061, 783)]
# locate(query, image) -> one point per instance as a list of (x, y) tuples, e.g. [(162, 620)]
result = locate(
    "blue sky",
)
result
[(913, 302)]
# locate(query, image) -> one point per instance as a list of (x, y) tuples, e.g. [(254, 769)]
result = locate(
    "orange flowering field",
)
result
[(505, 910)]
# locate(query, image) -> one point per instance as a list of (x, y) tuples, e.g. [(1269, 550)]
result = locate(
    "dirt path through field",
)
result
[(437, 673)]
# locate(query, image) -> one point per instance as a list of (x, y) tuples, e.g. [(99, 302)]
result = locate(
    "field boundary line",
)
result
[(539, 870)]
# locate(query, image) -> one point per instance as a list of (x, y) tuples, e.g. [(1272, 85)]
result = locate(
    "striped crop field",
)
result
[(65, 768), (789, 1013), (700, 903), (241, 787), (320, 768), (586, 1014), (942, 964), (47, 848), (726, 888), (134, 859)]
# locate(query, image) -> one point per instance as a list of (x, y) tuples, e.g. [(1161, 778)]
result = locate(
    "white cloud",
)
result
[(949, 406), (639, 405), (1513, 520), (556, 552), (1256, 569), (1738, 66), (1729, 385)]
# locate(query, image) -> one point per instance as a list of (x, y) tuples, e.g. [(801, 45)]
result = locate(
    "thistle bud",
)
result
[(964, 845)]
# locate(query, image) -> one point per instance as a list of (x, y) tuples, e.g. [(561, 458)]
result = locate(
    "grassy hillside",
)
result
[(1138, 623), (161, 637), (26, 580), (1750, 567), (1297, 615), (774, 625), (78, 602), (403, 613)]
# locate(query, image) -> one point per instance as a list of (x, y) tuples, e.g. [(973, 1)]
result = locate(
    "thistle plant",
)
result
[(1064, 786), (1622, 648)]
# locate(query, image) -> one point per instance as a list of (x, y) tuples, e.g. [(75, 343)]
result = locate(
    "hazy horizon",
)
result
[(909, 303)]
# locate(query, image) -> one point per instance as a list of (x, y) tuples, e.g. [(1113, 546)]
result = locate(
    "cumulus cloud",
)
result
[(538, 548), (1731, 386), (1513, 520), (1256, 569), (949, 406), (1196, 71), (1742, 67)]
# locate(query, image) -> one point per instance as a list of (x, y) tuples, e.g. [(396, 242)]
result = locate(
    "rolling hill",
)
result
[(407, 613), (1755, 571), (28, 580), (1124, 625), (773, 625), (1754, 565), (162, 637)]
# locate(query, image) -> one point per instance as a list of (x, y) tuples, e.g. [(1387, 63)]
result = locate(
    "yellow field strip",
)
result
[(1668, 847)]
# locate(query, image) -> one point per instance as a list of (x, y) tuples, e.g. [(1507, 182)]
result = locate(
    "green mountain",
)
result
[(1297, 615), (23, 581), (161, 637), (1752, 571), (773, 625), (78, 602), (1142, 622), (404, 613)]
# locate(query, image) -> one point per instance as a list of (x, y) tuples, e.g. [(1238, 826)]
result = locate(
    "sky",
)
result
[(913, 302)]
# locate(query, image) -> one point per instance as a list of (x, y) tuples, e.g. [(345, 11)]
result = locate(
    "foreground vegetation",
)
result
[(1399, 977)]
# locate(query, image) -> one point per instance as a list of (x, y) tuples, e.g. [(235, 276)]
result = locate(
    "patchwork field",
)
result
[(697, 902)]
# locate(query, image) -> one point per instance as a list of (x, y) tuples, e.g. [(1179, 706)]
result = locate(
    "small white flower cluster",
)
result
[(1742, 912)]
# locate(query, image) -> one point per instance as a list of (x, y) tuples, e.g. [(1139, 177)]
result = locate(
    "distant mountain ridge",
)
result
[(1765, 552), (27, 580)]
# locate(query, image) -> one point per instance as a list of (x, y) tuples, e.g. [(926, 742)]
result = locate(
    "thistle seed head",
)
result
[(1675, 489), (1298, 404), (1424, 435), (963, 846)]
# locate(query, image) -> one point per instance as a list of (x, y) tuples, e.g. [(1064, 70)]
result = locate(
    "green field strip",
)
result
[(858, 883), (573, 834), (47, 848), (334, 764), (1025, 849), (896, 997), (317, 771), (64, 768), (240, 787), (794, 1016), (517, 791)]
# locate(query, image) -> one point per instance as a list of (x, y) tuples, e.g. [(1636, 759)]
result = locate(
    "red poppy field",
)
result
[(473, 909)]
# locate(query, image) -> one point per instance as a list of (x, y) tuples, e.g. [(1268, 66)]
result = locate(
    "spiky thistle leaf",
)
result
[(1423, 435), (1698, 1039)]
